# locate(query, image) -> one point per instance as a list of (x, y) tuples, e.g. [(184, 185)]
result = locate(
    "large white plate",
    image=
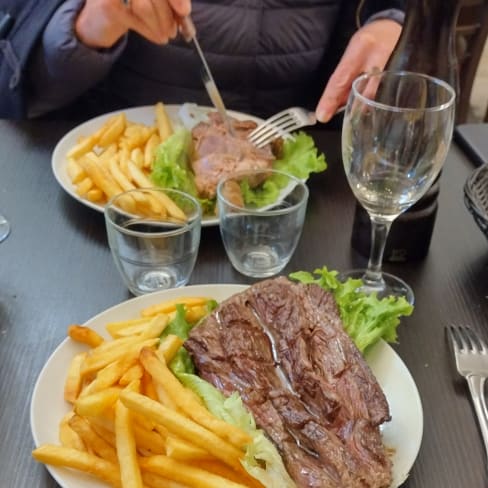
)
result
[(144, 115), (403, 434)]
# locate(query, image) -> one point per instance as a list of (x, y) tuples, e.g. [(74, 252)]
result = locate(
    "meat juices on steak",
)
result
[(282, 346), (217, 153)]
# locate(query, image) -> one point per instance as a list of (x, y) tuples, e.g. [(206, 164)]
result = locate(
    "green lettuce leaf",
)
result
[(264, 195), (262, 460), (299, 157), (180, 327), (171, 168), (366, 318)]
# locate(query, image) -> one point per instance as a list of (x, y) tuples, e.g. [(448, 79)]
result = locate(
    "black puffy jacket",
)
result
[(265, 55)]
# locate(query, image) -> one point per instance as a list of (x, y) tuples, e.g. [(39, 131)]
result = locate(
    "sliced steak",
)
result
[(218, 153), (282, 346)]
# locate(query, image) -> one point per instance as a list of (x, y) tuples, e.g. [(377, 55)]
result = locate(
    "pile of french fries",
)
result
[(132, 423), (119, 157)]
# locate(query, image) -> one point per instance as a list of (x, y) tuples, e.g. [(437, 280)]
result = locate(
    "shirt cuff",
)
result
[(389, 14)]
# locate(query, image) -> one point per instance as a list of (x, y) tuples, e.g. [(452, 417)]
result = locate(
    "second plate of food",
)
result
[(402, 435), (179, 115)]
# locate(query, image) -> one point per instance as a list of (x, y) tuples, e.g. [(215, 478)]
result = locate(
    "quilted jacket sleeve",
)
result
[(62, 68), (26, 21), (370, 10)]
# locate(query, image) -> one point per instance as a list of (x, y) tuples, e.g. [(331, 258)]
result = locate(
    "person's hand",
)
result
[(101, 23), (369, 48)]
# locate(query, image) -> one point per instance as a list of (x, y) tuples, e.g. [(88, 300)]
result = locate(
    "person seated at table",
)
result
[(94, 56)]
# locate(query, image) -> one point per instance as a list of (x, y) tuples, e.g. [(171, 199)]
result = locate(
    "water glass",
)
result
[(153, 248), (261, 214), (395, 137)]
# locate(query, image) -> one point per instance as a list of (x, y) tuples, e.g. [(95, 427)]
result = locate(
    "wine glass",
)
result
[(395, 137), (4, 228)]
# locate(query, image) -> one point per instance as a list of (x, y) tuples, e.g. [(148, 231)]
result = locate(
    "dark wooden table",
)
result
[(55, 269)]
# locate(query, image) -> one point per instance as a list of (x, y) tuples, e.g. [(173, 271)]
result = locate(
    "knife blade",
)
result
[(187, 29)]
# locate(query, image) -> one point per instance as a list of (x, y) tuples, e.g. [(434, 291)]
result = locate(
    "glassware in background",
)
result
[(396, 133), (4, 228), (261, 214), (153, 250)]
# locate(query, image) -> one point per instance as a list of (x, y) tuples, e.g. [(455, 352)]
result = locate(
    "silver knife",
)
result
[(187, 29)]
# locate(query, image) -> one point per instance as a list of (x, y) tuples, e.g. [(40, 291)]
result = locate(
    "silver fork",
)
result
[(471, 355), (281, 125)]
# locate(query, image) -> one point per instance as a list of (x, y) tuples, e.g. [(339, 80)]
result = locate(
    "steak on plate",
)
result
[(282, 346), (218, 153)]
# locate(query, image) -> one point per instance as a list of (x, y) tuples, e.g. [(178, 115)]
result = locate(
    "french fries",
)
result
[(119, 157), (162, 121), (132, 423)]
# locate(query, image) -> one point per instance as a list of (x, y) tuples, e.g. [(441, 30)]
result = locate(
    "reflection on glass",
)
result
[(4, 228)]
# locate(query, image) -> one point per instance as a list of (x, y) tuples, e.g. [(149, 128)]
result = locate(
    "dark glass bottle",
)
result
[(427, 45)]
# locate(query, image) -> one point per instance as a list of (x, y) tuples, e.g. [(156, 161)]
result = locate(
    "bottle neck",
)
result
[(428, 42)]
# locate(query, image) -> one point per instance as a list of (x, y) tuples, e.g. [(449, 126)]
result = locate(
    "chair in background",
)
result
[(472, 32)]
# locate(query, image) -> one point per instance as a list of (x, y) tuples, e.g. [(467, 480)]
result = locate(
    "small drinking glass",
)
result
[(395, 137), (261, 214), (153, 249)]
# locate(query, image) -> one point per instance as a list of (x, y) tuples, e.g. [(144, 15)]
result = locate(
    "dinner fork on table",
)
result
[(471, 356)]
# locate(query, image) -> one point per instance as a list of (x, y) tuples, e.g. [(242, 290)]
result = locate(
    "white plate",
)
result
[(403, 434), (144, 115)]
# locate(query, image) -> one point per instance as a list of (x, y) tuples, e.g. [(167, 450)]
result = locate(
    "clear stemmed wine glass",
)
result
[(396, 133), (4, 228)]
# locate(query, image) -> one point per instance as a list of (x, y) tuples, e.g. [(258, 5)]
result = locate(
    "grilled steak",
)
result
[(217, 153), (282, 346)]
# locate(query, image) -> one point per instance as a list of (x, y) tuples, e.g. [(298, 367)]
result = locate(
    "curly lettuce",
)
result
[(299, 157), (171, 167), (365, 317)]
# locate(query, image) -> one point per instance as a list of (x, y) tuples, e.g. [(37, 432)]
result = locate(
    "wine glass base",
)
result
[(4, 229), (391, 285)]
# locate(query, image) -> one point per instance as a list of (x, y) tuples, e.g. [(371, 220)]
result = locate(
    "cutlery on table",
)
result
[(283, 124), (471, 355)]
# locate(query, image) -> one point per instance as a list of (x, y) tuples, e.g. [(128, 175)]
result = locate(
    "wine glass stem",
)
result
[(379, 233)]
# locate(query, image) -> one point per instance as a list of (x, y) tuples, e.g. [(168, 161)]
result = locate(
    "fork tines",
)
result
[(275, 127), (281, 125), (467, 340)]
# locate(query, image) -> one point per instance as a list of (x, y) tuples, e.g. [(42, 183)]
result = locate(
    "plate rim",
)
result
[(226, 290), (58, 159)]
